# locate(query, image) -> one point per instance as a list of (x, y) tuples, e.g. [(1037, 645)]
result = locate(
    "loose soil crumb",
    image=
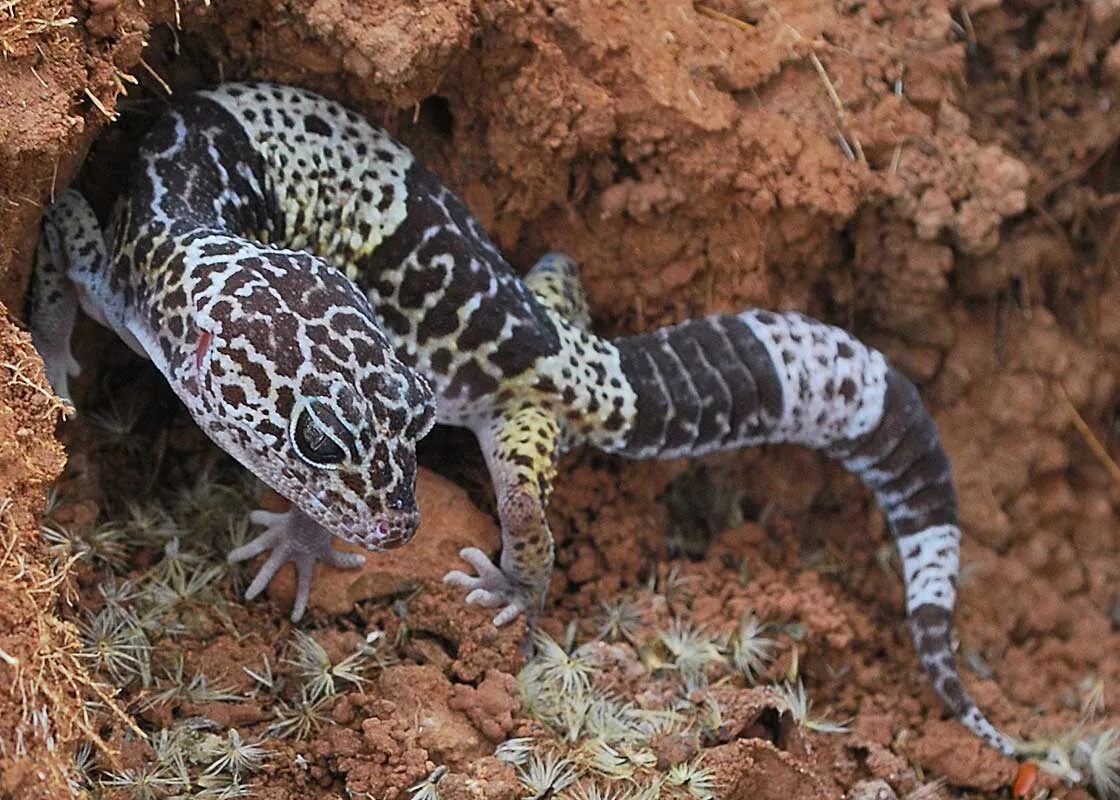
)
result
[(940, 178)]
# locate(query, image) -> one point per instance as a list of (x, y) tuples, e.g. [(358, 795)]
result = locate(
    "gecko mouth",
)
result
[(373, 531), (386, 532)]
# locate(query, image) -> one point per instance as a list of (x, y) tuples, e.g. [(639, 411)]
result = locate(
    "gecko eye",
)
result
[(317, 435)]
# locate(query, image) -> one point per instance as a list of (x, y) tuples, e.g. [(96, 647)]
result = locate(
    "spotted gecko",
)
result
[(317, 299)]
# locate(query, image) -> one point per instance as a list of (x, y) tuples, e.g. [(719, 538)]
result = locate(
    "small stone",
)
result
[(423, 694), (872, 790), (448, 523)]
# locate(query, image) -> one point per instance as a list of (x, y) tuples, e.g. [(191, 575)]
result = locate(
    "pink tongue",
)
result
[(381, 528)]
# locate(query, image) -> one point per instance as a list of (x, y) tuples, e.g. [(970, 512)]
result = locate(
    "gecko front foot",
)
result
[(492, 588), (291, 536)]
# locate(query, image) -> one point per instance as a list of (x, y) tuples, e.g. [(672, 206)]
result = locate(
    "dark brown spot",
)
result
[(473, 380), (484, 325), (441, 360), (233, 395)]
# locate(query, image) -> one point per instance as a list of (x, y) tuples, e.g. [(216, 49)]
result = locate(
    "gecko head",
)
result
[(357, 455), (298, 382)]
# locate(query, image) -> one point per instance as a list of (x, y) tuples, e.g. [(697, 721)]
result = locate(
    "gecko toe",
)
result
[(268, 518), (291, 536), (485, 598), (267, 572), (266, 541), (491, 587), (305, 569), (511, 612), (342, 559), (483, 565), (460, 579)]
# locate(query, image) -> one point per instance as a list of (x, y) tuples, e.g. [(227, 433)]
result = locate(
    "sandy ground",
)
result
[(943, 179)]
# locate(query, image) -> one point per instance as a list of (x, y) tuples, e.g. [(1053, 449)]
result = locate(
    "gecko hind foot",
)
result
[(60, 369), (291, 536), (492, 588)]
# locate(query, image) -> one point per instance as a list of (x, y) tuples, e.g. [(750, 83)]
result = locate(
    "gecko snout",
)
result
[(398, 529), (389, 532)]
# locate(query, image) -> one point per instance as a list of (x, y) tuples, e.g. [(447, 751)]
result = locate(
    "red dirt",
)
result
[(692, 161)]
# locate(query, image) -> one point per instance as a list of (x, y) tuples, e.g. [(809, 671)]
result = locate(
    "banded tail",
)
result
[(731, 381)]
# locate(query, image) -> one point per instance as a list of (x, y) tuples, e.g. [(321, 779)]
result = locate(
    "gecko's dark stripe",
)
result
[(654, 403), (715, 397), (438, 227), (684, 406), (903, 462), (754, 419), (665, 375), (740, 380)]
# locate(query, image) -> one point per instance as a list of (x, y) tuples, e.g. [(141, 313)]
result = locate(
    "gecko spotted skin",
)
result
[(232, 180), (277, 356)]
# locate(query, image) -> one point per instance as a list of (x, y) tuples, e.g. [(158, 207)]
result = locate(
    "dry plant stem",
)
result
[(966, 19), (109, 114), (156, 77), (1090, 438), (841, 114), (719, 15)]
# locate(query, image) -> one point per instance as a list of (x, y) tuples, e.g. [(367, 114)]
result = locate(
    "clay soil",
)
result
[(941, 178)]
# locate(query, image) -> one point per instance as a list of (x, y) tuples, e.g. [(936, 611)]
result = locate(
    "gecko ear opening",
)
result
[(318, 436)]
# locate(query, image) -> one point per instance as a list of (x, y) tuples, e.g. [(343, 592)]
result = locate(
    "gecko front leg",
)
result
[(520, 449), (291, 536)]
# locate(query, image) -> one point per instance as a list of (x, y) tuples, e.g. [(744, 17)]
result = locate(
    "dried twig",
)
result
[(1087, 434), (712, 13), (838, 104), (966, 20), (111, 115), (158, 78)]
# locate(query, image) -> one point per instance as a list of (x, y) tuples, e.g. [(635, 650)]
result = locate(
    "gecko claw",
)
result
[(294, 537), (491, 587)]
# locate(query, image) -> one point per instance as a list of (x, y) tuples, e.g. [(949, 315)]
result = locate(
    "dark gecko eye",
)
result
[(317, 435)]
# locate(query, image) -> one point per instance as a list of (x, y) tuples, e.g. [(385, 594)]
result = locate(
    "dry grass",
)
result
[(43, 712), (20, 22), (1092, 442), (716, 14), (847, 138)]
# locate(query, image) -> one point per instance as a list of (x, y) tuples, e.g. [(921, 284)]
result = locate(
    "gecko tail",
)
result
[(732, 381), (902, 461)]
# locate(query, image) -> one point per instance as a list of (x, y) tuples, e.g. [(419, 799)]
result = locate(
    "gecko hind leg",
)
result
[(554, 279), (53, 310), (71, 272), (520, 449), (291, 536)]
